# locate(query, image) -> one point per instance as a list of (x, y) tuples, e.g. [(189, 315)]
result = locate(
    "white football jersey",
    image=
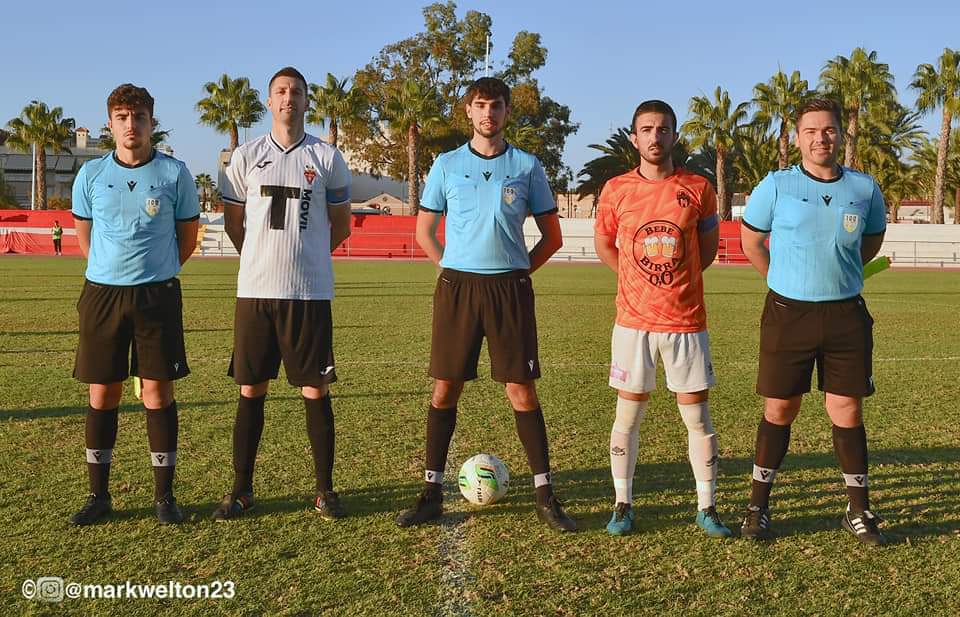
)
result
[(285, 193)]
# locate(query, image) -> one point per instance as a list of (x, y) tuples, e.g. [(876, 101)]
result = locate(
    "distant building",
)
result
[(61, 168)]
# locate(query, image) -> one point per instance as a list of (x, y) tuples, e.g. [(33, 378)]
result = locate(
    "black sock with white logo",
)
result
[(850, 445), (100, 435), (247, 429), (320, 429), (772, 442), (440, 426), (162, 433), (533, 435)]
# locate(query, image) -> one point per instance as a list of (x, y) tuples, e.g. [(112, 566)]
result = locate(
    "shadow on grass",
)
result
[(914, 503), (61, 412)]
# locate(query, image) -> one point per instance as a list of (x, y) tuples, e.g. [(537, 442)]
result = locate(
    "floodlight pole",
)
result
[(486, 58)]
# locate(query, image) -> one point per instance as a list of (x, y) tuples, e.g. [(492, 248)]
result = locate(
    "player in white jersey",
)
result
[(288, 208)]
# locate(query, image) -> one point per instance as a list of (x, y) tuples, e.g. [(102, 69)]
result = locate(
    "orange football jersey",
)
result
[(657, 225)]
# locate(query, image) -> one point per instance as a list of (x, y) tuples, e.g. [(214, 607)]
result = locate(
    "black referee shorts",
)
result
[(136, 330), (835, 336), (468, 307)]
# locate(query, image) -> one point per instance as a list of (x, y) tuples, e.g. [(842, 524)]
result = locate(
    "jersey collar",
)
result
[(816, 179), (153, 154), (288, 150), (490, 157)]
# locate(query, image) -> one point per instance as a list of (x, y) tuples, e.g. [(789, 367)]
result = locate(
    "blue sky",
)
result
[(604, 57)]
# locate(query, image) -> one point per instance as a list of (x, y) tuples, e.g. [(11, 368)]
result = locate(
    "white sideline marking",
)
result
[(455, 573)]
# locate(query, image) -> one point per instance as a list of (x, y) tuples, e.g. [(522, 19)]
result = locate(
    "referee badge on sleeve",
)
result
[(851, 222), (152, 206)]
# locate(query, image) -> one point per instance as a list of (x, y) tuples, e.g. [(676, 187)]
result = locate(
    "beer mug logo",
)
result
[(658, 251), (669, 245), (651, 246)]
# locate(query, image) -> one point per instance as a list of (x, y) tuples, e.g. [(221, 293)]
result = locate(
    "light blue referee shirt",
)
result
[(486, 199), (816, 227), (134, 211)]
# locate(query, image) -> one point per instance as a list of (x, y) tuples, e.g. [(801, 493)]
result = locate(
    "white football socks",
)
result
[(702, 450), (624, 446)]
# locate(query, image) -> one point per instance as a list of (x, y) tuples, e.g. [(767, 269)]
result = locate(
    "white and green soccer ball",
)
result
[(484, 479)]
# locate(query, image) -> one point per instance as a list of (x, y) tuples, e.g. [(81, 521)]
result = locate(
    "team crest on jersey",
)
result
[(851, 222), (310, 173), (152, 206), (683, 198), (658, 250), (509, 194)]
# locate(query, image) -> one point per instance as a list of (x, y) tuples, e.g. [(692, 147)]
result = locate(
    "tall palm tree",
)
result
[(714, 124), (414, 108), (940, 88), (856, 82), (333, 102), (925, 159), (207, 187), (778, 100), (38, 127), (230, 103)]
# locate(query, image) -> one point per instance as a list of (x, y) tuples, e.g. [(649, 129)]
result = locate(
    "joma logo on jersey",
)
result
[(305, 207), (683, 199), (310, 173)]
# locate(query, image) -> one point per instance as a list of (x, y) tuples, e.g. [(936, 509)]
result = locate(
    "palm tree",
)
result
[(333, 102), (38, 127), (106, 142), (923, 173), (714, 124), (619, 157), (230, 104), (755, 156), (856, 82), (778, 100), (207, 187), (940, 88), (414, 108)]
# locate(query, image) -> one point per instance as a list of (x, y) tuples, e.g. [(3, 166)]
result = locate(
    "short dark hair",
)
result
[(653, 106), (128, 95), (288, 71), (820, 104), (489, 88)]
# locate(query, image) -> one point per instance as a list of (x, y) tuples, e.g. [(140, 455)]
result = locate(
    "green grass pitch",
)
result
[(498, 560)]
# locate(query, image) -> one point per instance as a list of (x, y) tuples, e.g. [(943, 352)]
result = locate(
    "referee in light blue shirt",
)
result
[(136, 214), (824, 222), (486, 188)]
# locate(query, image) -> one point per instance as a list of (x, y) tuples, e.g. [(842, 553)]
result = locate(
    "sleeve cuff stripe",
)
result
[(233, 201), (551, 211), (757, 229), (192, 218), (82, 218), (876, 233), (430, 210)]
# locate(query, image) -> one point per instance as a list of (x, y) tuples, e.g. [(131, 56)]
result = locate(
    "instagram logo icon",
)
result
[(46, 588)]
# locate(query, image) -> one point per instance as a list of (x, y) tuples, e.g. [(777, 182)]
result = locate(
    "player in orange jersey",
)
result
[(657, 229)]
